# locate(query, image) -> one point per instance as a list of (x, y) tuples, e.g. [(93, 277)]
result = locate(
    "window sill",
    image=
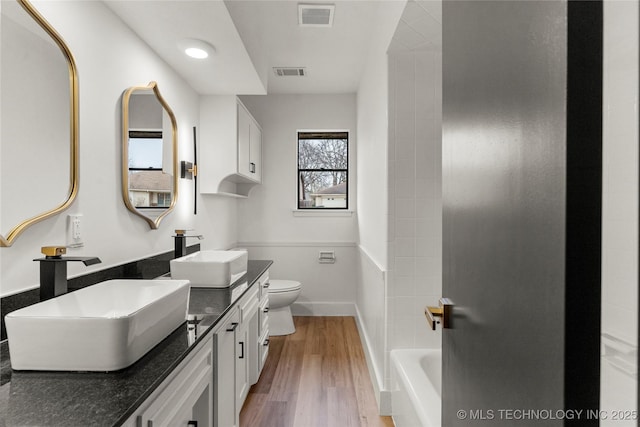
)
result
[(322, 212)]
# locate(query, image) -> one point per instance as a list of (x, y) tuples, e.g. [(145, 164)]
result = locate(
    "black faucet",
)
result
[(180, 240), (53, 270)]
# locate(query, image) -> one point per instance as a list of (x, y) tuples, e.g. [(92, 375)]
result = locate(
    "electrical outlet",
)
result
[(74, 231)]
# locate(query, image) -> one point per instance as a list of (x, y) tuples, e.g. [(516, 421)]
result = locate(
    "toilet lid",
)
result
[(276, 285)]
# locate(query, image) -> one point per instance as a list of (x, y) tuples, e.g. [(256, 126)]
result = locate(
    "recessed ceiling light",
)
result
[(196, 52), (195, 48)]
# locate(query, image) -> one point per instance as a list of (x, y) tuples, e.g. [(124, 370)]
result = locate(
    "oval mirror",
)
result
[(39, 117), (149, 154)]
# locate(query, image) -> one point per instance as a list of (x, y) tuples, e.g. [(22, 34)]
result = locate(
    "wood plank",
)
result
[(316, 377)]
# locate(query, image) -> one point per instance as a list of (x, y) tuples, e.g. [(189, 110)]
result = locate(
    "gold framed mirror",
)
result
[(149, 154), (39, 133)]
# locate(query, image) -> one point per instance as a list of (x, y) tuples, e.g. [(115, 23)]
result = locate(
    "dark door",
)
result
[(521, 211)]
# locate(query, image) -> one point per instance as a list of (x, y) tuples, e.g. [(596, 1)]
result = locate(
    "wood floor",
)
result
[(316, 377)]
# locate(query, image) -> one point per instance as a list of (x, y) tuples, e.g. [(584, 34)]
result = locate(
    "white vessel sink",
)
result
[(212, 269), (104, 327)]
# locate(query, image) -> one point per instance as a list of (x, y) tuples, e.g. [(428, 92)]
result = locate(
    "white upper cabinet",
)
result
[(255, 150), (230, 158)]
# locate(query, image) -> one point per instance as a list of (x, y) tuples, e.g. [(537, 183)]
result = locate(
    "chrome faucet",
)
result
[(53, 270), (180, 240)]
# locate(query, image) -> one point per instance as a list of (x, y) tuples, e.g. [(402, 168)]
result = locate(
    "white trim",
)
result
[(351, 181), (374, 373), (322, 212), (297, 244), (382, 270), (323, 309)]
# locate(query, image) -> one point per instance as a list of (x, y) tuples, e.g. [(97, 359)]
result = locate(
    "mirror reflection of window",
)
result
[(149, 186)]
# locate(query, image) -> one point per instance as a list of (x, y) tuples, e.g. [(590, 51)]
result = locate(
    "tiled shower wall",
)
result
[(415, 197)]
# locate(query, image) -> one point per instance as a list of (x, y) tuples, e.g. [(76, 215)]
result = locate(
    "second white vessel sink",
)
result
[(104, 327), (214, 269)]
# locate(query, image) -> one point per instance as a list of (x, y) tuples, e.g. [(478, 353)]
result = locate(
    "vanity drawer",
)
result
[(248, 305)]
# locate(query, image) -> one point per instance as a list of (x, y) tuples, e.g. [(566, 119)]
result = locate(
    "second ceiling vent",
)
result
[(289, 71), (315, 15)]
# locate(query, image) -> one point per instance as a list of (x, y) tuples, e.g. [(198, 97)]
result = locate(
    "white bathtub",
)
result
[(416, 397)]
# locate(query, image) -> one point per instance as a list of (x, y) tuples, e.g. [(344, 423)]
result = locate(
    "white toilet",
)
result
[(282, 293)]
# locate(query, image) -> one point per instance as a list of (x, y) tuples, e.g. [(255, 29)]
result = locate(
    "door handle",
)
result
[(443, 311)]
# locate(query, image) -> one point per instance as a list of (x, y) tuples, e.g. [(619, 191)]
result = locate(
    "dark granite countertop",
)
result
[(69, 399)]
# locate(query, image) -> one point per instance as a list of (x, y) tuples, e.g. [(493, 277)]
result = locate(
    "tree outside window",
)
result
[(323, 169)]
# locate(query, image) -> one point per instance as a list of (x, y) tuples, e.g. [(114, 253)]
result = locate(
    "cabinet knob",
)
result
[(266, 310), (241, 350), (233, 327), (266, 285), (266, 342), (192, 423), (252, 167)]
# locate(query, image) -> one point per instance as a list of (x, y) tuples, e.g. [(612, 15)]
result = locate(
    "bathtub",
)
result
[(416, 396)]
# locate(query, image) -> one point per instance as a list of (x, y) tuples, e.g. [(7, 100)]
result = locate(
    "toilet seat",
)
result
[(276, 285)]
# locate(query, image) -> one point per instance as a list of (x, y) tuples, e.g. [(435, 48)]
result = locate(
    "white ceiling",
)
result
[(420, 27), (253, 36), (162, 24), (333, 57)]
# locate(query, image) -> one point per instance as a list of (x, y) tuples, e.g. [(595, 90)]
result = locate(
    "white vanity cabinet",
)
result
[(224, 406), (246, 338), (230, 158), (210, 385), (184, 398), (237, 358), (263, 323)]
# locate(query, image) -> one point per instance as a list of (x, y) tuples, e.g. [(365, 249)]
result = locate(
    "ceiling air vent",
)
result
[(315, 15), (289, 71)]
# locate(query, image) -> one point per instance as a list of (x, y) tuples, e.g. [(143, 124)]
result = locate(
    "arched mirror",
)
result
[(39, 121), (149, 154)]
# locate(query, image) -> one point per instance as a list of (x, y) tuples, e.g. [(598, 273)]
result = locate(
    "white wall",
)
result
[(373, 191), (110, 59), (620, 198), (267, 226)]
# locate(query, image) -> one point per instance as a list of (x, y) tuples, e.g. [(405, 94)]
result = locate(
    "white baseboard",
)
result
[(383, 397), (323, 309)]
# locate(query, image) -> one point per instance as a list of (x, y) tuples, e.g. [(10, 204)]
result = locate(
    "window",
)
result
[(323, 170), (149, 187)]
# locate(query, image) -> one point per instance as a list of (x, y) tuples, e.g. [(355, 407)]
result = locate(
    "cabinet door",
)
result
[(242, 364), (253, 351), (244, 143), (187, 398), (263, 350), (255, 150), (225, 394)]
